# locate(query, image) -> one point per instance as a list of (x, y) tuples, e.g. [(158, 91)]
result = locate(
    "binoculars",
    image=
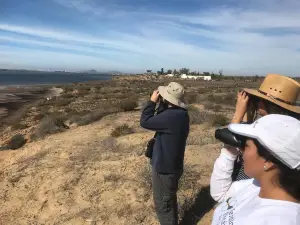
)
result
[(227, 137)]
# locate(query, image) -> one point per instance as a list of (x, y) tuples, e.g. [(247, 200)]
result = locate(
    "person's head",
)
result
[(272, 151), (277, 95), (172, 95)]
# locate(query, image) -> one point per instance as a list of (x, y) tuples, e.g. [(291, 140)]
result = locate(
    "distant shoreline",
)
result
[(27, 78)]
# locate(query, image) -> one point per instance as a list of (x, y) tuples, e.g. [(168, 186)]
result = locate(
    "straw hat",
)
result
[(280, 90), (173, 93)]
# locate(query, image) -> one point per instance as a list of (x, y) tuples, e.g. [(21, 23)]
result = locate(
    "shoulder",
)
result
[(274, 218), (244, 187), (276, 212)]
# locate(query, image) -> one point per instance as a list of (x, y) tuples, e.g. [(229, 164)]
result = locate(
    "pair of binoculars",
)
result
[(227, 137)]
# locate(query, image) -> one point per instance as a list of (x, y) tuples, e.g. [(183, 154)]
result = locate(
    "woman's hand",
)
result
[(241, 107), (232, 150), (155, 96)]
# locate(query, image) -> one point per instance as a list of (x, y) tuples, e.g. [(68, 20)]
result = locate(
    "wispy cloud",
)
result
[(238, 36)]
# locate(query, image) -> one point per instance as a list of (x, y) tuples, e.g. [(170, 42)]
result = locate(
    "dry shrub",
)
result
[(83, 93), (67, 95), (69, 110), (112, 177), (213, 107), (88, 118), (217, 99), (62, 102), (121, 130), (16, 142), (220, 120), (191, 97), (48, 125), (228, 99), (67, 89), (39, 116), (145, 181), (110, 144), (128, 104), (197, 116), (189, 178), (188, 183), (201, 140), (18, 126)]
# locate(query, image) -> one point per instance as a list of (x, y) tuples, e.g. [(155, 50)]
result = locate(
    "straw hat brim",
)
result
[(170, 98), (256, 93)]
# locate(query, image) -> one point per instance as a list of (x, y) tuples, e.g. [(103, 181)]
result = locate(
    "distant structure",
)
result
[(184, 76), (149, 71), (170, 75)]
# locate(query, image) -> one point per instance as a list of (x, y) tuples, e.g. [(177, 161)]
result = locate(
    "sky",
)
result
[(240, 37)]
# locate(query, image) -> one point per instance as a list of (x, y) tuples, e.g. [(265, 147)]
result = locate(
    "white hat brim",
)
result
[(249, 130), (243, 130), (163, 92)]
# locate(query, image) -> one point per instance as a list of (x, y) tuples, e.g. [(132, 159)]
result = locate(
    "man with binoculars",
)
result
[(171, 124)]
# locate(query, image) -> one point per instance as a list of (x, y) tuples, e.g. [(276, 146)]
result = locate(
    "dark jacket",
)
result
[(172, 129)]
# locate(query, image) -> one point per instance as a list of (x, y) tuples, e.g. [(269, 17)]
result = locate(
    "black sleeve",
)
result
[(153, 122)]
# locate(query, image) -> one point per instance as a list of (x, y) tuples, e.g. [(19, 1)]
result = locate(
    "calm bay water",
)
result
[(34, 78)]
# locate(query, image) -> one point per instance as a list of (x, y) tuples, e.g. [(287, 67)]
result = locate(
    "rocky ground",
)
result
[(83, 162)]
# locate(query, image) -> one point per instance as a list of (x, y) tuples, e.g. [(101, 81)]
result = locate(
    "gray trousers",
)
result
[(165, 187)]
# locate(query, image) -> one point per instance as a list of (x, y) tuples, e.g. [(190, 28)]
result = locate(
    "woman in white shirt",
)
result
[(272, 158)]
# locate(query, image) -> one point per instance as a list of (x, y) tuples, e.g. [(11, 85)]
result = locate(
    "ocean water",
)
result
[(34, 78)]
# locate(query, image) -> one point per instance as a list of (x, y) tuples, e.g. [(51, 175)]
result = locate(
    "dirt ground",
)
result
[(84, 176), (95, 172)]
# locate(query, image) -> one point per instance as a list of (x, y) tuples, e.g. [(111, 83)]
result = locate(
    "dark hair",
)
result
[(288, 179), (273, 108)]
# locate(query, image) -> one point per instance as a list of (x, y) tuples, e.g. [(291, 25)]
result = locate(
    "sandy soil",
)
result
[(84, 176)]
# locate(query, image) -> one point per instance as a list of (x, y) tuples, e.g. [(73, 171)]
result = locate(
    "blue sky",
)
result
[(238, 36)]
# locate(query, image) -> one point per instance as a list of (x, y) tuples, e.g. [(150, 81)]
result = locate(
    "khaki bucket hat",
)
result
[(173, 93), (280, 90)]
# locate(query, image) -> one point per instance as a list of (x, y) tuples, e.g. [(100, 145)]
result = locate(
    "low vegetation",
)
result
[(121, 130), (128, 104), (48, 125)]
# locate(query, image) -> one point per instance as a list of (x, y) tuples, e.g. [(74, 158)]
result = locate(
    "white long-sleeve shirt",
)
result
[(239, 202)]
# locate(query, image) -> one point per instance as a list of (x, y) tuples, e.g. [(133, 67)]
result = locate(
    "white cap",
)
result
[(279, 134)]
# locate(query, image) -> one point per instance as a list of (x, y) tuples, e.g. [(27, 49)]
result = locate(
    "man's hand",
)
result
[(241, 107), (155, 96)]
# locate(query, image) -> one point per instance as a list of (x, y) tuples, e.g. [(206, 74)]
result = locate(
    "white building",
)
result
[(184, 76)]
